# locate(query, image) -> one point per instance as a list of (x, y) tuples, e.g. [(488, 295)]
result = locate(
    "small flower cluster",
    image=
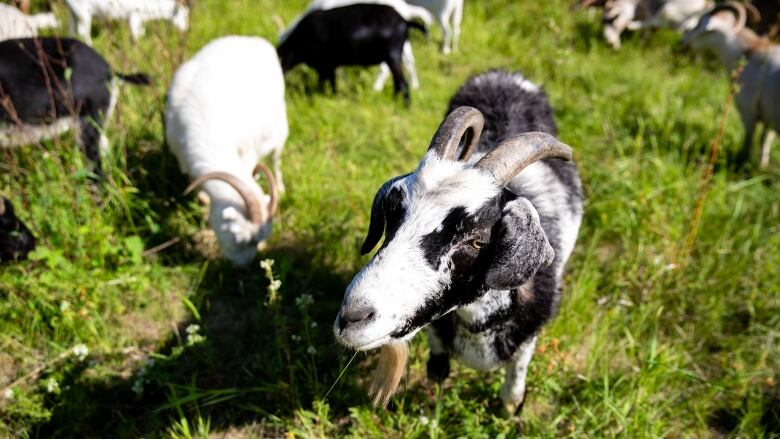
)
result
[(193, 336)]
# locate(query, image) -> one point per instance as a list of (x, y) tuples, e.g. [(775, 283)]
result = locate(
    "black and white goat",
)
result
[(360, 34), (49, 86), (16, 241), (476, 240)]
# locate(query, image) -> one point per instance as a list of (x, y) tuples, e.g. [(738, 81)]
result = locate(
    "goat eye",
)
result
[(477, 243)]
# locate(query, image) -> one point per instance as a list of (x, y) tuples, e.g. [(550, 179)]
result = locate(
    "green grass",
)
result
[(648, 343)]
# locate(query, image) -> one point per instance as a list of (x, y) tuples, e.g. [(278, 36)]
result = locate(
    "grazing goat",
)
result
[(136, 12), (449, 14), (407, 11), (722, 31), (476, 240), (16, 24), (361, 34), (49, 86), (226, 111), (16, 241), (620, 15)]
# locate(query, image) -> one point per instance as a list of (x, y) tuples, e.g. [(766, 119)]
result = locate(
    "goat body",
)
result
[(16, 241), (620, 15), (51, 85), (362, 34), (758, 99), (136, 12), (449, 15), (226, 111), (16, 24), (477, 260)]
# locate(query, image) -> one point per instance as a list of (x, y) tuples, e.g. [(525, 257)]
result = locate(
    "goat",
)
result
[(449, 14), (407, 11), (49, 86), (360, 34), (226, 111), (722, 31), (620, 15), (136, 12), (474, 248), (16, 24), (16, 240)]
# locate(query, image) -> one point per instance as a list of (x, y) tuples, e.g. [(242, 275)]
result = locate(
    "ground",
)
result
[(668, 326)]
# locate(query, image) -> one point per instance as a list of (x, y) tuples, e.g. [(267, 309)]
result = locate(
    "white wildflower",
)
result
[(424, 420), (9, 394), (311, 350), (266, 264), (192, 329), (193, 337), (313, 324), (275, 284), (64, 306), (80, 351), (295, 337), (52, 386)]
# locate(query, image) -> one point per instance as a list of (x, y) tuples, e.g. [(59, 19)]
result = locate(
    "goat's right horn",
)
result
[(447, 138), (253, 206), (511, 156), (274, 188), (739, 11)]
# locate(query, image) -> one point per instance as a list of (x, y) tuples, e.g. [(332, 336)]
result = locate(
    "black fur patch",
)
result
[(438, 367), (16, 241)]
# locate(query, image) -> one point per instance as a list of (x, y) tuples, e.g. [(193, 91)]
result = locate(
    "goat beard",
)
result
[(388, 373)]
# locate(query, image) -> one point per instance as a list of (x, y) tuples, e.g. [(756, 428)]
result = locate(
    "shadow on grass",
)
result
[(256, 362)]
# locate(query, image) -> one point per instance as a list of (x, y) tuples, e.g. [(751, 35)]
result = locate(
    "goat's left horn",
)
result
[(510, 157), (274, 188), (447, 138), (253, 207)]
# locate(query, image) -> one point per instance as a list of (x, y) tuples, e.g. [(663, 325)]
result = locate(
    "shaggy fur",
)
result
[(481, 266)]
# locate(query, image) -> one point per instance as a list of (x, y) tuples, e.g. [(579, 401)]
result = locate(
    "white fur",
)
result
[(405, 10), (758, 99), (16, 24), (136, 12), (513, 390), (449, 14), (677, 14), (226, 111)]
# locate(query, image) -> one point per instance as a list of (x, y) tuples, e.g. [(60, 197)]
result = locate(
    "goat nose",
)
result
[(349, 317)]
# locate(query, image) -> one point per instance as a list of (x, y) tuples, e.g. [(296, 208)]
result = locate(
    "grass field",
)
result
[(658, 335)]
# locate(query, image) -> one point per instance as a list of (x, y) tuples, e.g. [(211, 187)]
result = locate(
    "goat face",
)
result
[(452, 232), (238, 236), (714, 27), (16, 241)]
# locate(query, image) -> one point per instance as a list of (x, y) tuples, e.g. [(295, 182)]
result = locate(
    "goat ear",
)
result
[(520, 247), (377, 225)]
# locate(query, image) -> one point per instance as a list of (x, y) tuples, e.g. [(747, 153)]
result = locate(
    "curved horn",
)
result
[(274, 188), (447, 138), (252, 203), (737, 8), (755, 15), (512, 155)]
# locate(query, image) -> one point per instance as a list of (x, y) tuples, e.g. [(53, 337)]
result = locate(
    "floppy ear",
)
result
[(377, 225), (520, 247)]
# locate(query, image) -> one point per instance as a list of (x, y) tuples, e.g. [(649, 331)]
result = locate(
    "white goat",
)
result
[(226, 111), (136, 12), (449, 14), (722, 31), (405, 10), (16, 24), (620, 15)]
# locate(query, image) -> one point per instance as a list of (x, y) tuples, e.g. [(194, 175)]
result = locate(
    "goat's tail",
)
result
[(134, 78), (419, 26)]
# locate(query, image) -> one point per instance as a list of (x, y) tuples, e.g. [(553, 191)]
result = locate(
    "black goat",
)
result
[(16, 241), (51, 85), (355, 35)]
